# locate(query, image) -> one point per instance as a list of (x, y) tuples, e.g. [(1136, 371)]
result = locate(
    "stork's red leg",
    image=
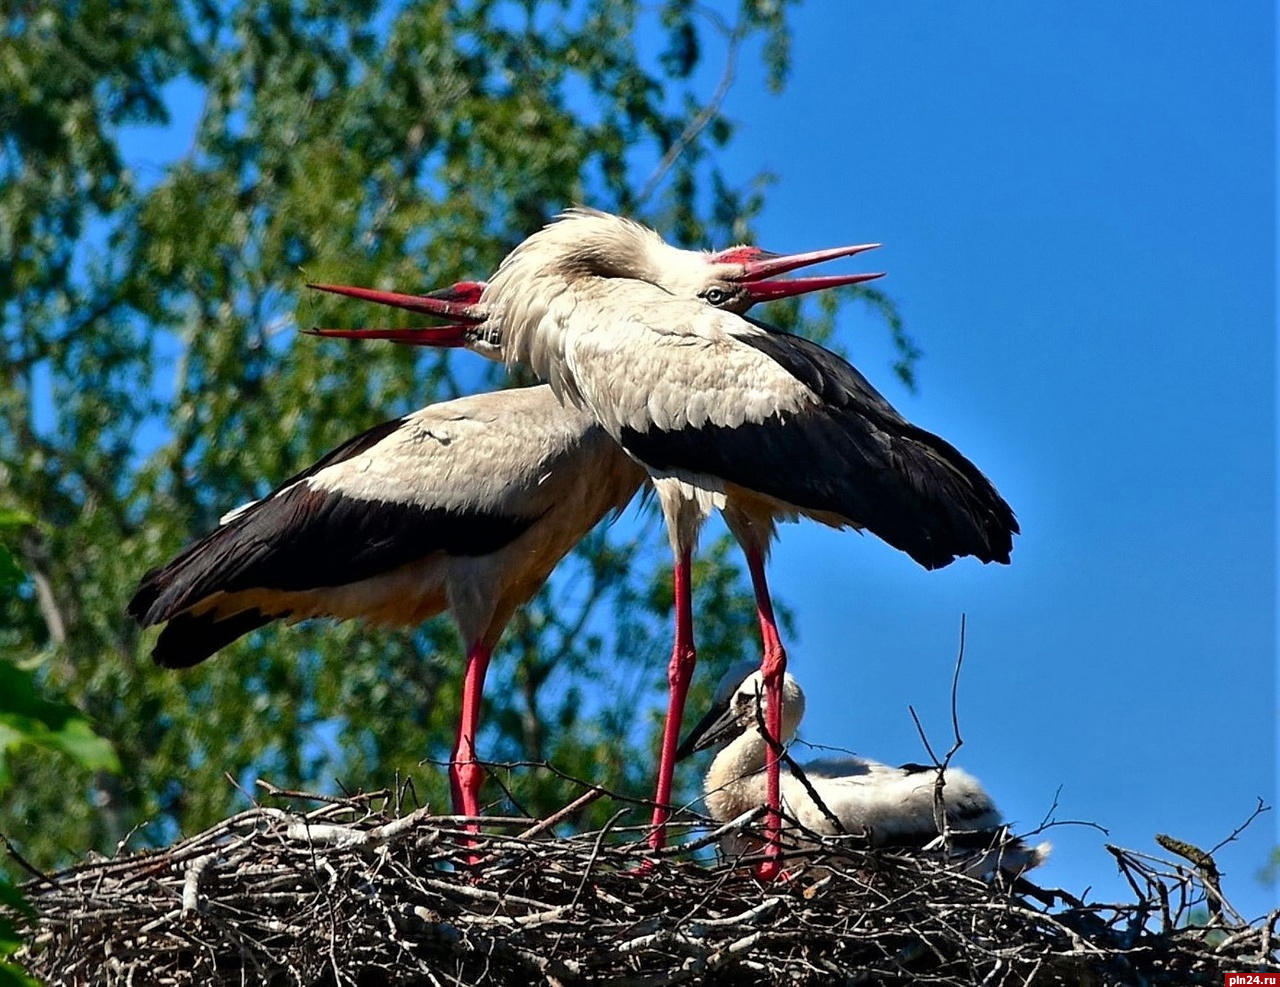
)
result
[(773, 667), (465, 775), (679, 674)]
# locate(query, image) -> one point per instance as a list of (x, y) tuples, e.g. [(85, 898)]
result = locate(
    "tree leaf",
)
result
[(28, 719), (11, 574)]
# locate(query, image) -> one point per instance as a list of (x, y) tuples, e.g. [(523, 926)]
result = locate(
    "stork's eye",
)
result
[(716, 296)]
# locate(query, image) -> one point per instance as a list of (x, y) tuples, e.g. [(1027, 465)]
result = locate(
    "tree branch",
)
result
[(704, 116)]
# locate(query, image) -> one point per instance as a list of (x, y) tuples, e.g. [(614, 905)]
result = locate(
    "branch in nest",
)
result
[(351, 892)]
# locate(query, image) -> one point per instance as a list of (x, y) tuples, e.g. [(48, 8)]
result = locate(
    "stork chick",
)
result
[(891, 806)]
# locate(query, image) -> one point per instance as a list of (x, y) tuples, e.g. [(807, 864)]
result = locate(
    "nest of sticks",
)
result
[(361, 891)]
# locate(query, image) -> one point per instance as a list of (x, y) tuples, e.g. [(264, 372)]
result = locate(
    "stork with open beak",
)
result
[(464, 506), (722, 411)]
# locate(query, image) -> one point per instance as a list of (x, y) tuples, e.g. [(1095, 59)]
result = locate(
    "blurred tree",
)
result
[(29, 721), (152, 379), (1269, 873)]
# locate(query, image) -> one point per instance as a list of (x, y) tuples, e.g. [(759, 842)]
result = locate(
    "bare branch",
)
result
[(703, 117), (1258, 810)]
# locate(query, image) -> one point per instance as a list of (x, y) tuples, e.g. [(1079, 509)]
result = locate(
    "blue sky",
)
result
[(1078, 211), (1077, 206)]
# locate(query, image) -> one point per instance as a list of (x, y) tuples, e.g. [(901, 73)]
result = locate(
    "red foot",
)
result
[(770, 871)]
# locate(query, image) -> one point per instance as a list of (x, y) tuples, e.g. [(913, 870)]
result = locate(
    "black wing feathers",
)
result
[(853, 456), (157, 580), (189, 639), (308, 538), (302, 537)]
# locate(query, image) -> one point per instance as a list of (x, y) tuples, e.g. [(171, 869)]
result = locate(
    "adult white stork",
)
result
[(890, 806), (464, 506), (722, 411)]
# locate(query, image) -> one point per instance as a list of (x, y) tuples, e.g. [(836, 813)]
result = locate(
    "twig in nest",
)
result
[(1205, 864), (22, 861), (940, 782), (1258, 810), (258, 899)]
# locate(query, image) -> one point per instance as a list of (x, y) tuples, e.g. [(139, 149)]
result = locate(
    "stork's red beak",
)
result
[(439, 337), (456, 304), (758, 266), (763, 264), (766, 291)]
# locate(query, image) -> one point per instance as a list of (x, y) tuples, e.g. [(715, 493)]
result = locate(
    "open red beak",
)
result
[(440, 337), (760, 270), (766, 265), (766, 291), (456, 304)]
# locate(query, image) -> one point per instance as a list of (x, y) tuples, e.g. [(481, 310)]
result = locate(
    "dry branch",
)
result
[(355, 893)]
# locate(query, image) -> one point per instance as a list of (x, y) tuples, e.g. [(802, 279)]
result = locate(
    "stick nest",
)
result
[(356, 892)]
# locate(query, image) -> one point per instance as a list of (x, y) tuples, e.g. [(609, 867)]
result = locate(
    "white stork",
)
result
[(722, 411), (890, 806), (464, 506)]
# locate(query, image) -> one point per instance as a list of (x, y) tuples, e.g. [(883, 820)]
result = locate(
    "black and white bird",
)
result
[(464, 506), (722, 411), (889, 806)]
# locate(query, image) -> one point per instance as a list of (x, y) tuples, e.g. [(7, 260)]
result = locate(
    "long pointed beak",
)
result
[(718, 726), (440, 337), (769, 267), (765, 291), (455, 303)]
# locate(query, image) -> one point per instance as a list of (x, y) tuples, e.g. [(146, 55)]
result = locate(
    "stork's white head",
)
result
[(587, 243), (738, 709)]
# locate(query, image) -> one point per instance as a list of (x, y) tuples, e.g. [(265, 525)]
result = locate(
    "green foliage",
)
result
[(27, 719), (1269, 873), (152, 378), (10, 974), (11, 523), (11, 904)]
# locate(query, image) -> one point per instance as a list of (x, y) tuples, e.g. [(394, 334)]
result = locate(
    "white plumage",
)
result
[(889, 806), (722, 412), (514, 456), (464, 506)]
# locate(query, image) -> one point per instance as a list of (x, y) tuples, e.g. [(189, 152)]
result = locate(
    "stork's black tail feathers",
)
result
[(849, 458), (869, 464), (947, 510), (188, 638)]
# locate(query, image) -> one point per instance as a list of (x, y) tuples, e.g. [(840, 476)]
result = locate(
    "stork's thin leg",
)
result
[(465, 775), (679, 674), (773, 667)]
